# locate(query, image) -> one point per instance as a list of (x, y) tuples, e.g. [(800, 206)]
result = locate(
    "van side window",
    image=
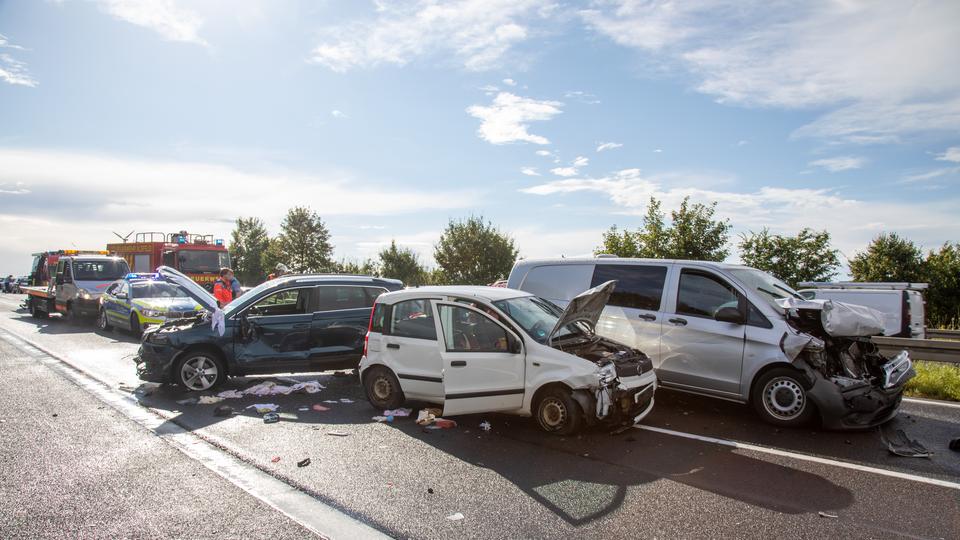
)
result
[(638, 286), (557, 281), (702, 294), (465, 330), (413, 319), (285, 302)]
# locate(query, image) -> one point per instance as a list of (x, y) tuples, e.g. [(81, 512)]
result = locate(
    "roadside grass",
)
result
[(935, 380)]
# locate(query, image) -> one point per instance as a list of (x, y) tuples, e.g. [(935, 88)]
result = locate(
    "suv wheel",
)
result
[(102, 322), (780, 398), (200, 371), (558, 413), (383, 389)]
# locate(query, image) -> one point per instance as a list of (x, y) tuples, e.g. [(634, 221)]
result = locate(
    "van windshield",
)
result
[(769, 287), (100, 270), (537, 317)]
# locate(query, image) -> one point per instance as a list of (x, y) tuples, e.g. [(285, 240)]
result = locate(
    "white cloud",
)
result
[(529, 171), (930, 175), (165, 17), (509, 82), (336, 113), (851, 222), (950, 154), (13, 71), (657, 150), (478, 33), (564, 171), (544, 153), (581, 161), (582, 97), (880, 68), (841, 163), (507, 119), (608, 146)]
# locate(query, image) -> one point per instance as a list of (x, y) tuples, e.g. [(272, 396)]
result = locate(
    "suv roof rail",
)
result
[(606, 256), (874, 285)]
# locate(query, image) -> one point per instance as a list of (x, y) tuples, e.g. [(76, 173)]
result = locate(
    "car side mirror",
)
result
[(729, 314)]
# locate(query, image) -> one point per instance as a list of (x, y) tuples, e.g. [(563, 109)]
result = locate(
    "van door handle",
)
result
[(647, 317), (458, 363), (393, 345), (678, 321)]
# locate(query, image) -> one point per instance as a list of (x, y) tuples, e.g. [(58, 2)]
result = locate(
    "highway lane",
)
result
[(515, 481)]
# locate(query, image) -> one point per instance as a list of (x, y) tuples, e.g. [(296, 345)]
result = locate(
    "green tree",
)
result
[(942, 271), (366, 267), (272, 256), (471, 252), (402, 264), (804, 257), (693, 233), (304, 242), (888, 258), (248, 243)]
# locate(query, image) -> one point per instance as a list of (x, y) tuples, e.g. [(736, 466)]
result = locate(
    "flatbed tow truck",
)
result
[(70, 282)]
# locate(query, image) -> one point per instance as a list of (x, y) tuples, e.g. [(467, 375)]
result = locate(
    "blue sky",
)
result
[(554, 120)]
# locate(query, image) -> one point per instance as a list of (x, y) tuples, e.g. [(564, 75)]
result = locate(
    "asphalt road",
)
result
[(515, 481)]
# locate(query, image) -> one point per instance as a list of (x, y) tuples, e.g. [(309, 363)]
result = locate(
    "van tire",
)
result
[(383, 389), (558, 413), (780, 398)]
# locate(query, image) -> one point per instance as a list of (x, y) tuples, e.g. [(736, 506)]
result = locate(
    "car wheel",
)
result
[(780, 398), (200, 371), (559, 413), (102, 322), (383, 389), (135, 327)]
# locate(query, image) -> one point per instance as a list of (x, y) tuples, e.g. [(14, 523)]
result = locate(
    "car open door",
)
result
[(483, 362)]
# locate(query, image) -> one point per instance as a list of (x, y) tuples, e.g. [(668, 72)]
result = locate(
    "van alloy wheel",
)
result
[(784, 398), (199, 373)]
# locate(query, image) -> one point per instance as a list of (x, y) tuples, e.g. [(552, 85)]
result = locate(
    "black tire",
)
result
[(208, 363), (383, 389), (35, 311), (780, 398), (102, 322), (558, 413), (135, 327)]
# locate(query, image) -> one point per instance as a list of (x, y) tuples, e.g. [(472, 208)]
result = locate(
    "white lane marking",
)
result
[(313, 515), (932, 402), (805, 457)]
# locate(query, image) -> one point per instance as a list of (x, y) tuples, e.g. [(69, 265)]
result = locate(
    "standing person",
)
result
[(223, 287), (280, 270), (236, 288)]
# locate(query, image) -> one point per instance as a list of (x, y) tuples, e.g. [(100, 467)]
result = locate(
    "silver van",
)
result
[(737, 333)]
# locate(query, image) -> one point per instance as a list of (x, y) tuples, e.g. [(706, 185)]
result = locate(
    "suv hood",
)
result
[(586, 307), (195, 291)]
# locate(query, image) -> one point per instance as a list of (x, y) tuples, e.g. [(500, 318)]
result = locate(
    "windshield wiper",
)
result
[(788, 291), (769, 292)]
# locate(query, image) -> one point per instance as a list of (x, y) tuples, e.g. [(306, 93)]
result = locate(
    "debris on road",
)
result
[(338, 433), (271, 388), (303, 463), (188, 401), (901, 445), (276, 459), (346, 400), (455, 517), (955, 444), (828, 515), (320, 408), (485, 426), (442, 423), (303, 409), (271, 418), (430, 491), (382, 418), (264, 407), (223, 410), (398, 412), (230, 394), (330, 401), (428, 415), (209, 400)]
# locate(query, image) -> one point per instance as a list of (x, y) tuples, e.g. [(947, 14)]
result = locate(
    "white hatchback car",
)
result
[(483, 349)]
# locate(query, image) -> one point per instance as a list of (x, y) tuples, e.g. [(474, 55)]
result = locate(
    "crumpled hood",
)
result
[(168, 304), (585, 307), (840, 319), (195, 291)]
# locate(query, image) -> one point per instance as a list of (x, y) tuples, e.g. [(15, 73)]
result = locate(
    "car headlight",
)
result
[(151, 313), (607, 373)]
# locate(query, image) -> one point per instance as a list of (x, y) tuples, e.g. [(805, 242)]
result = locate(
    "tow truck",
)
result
[(199, 256), (70, 282)]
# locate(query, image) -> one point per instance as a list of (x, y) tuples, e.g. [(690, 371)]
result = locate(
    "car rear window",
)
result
[(638, 286)]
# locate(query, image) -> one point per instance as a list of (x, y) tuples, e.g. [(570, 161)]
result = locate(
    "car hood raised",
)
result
[(190, 286), (586, 307)]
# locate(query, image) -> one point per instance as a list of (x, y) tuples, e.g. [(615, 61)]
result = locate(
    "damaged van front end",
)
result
[(851, 383)]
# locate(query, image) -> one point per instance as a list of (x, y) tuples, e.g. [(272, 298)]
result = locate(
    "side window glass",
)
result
[(702, 294), (372, 294), (334, 297), (557, 282), (380, 314), (286, 302), (465, 330), (638, 286), (124, 288), (755, 318), (414, 319)]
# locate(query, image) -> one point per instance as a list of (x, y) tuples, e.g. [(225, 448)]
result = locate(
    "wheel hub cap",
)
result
[(553, 413), (784, 398)]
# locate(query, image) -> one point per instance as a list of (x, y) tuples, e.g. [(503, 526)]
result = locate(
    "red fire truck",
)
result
[(196, 255)]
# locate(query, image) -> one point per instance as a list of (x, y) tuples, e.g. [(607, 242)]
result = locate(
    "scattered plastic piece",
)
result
[(338, 433), (264, 407), (398, 412), (303, 463), (485, 425), (303, 409), (271, 418), (209, 400), (330, 401), (230, 394), (828, 515), (320, 408), (443, 423), (223, 410), (901, 445), (455, 517), (382, 418), (346, 400), (276, 459)]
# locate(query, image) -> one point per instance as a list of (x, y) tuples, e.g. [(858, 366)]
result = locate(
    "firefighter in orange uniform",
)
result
[(223, 287)]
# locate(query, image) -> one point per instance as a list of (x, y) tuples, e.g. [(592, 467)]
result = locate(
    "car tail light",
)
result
[(366, 338)]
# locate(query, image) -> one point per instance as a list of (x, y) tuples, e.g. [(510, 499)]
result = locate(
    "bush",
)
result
[(935, 380)]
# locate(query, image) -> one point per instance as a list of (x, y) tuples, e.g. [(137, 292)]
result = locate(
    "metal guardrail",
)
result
[(942, 334), (921, 349)]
